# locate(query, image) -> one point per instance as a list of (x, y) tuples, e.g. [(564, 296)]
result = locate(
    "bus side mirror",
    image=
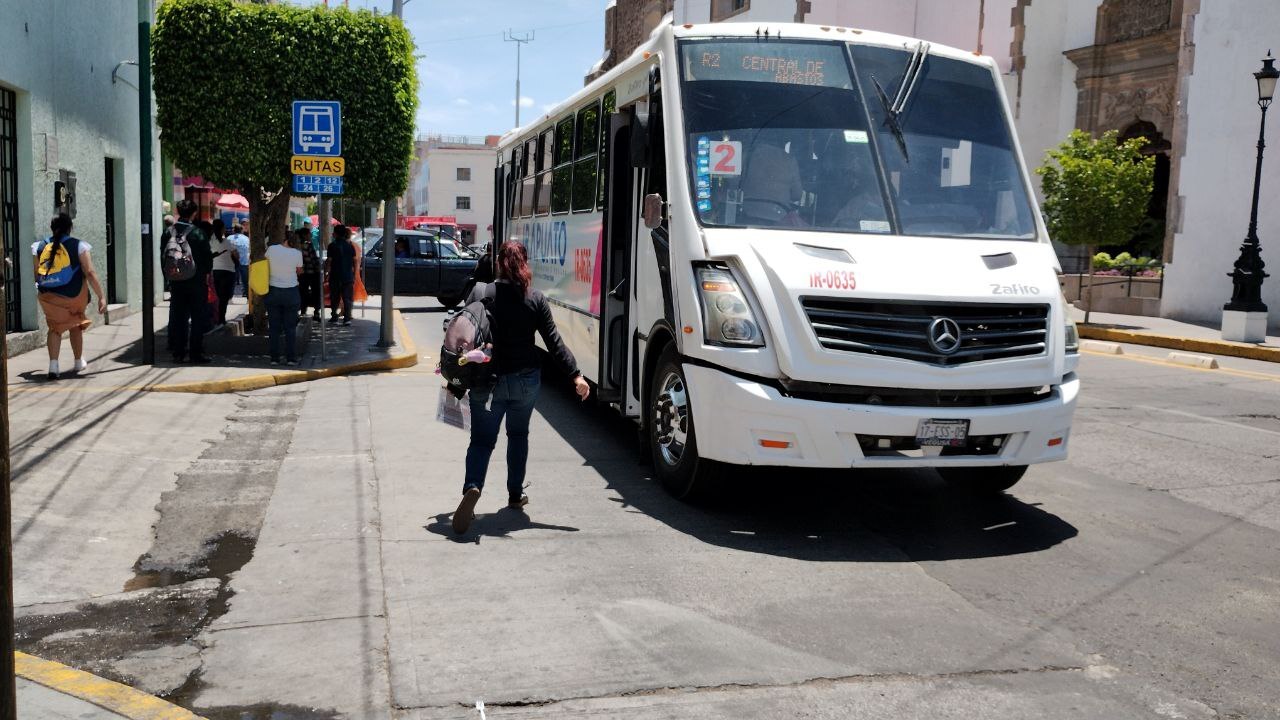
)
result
[(652, 210), (639, 140)]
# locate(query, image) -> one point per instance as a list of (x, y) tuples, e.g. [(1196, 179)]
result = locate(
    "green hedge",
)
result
[(226, 74)]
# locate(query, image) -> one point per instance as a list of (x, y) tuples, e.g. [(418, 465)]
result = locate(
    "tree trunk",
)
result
[(268, 221), (1088, 293)]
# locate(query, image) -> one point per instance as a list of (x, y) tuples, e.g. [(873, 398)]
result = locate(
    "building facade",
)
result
[(1178, 72), (69, 127), (454, 176)]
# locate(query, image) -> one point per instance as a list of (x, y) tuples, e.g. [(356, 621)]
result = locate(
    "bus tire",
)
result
[(450, 301), (673, 444), (983, 480)]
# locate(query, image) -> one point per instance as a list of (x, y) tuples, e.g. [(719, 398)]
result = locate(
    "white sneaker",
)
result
[(53, 369), (81, 365)]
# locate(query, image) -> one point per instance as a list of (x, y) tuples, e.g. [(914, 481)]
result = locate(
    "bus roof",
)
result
[(785, 31)]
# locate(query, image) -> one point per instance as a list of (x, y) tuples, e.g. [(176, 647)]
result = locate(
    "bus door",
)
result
[(616, 285)]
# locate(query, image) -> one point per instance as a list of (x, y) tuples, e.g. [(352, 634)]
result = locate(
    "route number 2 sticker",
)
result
[(726, 158)]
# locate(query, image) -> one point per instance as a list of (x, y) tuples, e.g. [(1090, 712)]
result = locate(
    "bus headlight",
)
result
[(727, 318), (1072, 336)]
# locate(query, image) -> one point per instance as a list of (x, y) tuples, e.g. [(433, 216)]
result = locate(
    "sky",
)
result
[(467, 73)]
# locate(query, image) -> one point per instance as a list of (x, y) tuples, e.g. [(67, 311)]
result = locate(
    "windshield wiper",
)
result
[(893, 110)]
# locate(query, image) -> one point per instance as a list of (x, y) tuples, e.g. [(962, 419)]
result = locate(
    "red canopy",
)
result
[(315, 220)]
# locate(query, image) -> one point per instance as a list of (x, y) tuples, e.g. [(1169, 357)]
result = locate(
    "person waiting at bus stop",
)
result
[(309, 284), (517, 312), (342, 274), (189, 299)]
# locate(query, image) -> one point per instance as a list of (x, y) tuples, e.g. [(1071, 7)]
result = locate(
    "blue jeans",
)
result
[(512, 396), (242, 278), (282, 319)]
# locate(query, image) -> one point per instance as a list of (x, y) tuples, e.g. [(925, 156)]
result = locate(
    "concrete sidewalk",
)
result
[(1172, 334), (114, 353)]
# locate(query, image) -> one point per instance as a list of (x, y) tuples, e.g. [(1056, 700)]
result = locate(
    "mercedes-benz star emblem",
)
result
[(944, 335)]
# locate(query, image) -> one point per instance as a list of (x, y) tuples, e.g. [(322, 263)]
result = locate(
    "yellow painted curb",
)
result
[(406, 357), (119, 699), (1173, 342)]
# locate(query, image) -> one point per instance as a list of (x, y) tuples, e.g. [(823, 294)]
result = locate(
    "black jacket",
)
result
[(515, 319)]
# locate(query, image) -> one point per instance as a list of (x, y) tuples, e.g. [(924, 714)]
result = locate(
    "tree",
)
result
[(1096, 192), (226, 74)]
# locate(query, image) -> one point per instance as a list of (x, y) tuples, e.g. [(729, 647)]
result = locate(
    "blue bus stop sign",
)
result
[(317, 128)]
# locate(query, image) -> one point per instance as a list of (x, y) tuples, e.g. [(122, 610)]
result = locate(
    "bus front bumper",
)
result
[(744, 422)]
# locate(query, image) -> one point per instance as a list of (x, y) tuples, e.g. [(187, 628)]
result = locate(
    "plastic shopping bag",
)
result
[(454, 411), (260, 277)]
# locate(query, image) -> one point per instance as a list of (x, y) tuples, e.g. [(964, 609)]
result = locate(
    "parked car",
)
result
[(434, 265)]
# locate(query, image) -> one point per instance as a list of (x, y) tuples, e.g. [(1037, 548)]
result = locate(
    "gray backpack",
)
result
[(177, 261)]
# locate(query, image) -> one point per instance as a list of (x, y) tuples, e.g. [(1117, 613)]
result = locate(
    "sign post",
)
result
[(318, 168)]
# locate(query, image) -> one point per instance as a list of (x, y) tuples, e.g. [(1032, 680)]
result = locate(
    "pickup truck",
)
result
[(428, 264)]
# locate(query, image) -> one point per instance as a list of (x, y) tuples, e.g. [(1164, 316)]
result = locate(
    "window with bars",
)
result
[(462, 202), (464, 174), (9, 206), (724, 9)]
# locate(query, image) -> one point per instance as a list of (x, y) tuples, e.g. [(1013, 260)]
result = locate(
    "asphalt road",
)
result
[(1139, 579), (287, 554)]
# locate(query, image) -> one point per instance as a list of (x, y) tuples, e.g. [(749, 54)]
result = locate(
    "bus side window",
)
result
[(606, 111), (584, 158), (562, 173), (545, 147), (527, 193), (513, 185)]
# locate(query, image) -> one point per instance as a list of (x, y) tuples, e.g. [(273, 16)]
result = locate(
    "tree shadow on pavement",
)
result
[(499, 524), (827, 516)]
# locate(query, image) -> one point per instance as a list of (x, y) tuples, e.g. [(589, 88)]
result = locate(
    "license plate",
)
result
[(942, 433)]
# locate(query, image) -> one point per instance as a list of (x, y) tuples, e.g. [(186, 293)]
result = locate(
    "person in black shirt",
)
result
[(189, 299), (516, 313), (342, 274)]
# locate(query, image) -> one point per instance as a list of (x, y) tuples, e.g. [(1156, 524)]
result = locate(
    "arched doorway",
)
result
[(1148, 239)]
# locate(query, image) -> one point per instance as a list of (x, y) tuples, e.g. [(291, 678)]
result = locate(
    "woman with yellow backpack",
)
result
[(62, 264)]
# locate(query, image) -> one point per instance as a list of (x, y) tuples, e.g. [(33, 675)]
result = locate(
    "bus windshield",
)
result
[(794, 135)]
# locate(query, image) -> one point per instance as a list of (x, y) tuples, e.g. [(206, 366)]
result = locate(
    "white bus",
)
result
[(802, 246)]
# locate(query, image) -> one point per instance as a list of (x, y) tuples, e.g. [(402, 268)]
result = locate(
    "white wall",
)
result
[(1047, 110), (1216, 177), (59, 57), (443, 187)]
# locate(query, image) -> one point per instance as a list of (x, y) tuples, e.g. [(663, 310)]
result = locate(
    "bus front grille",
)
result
[(919, 331)]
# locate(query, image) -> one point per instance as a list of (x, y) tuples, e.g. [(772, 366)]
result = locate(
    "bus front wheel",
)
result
[(672, 441), (983, 480)]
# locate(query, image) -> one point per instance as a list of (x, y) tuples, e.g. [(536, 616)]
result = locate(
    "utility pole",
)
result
[(387, 334), (8, 694), (982, 20), (144, 183), (326, 233), (519, 40)]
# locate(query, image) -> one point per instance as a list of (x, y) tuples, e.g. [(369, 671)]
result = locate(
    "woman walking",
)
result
[(62, 265), (517, 312), (282, 300)]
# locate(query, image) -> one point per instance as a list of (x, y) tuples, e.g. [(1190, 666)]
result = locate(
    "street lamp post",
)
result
[(1244, 319)]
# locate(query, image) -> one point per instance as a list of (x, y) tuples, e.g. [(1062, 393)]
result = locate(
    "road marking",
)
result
[(1220, 371), (1213, 420), (119, 699)]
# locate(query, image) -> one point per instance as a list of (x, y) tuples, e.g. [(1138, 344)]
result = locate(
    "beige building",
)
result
[(452, 176)]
